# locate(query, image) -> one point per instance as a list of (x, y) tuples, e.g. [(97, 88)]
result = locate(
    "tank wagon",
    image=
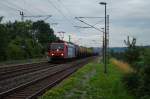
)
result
[(67, 50)]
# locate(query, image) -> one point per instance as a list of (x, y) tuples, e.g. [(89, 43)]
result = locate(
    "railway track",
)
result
[(37, 86), (12, 71), (9, 69), (22, 77), (7, 73)]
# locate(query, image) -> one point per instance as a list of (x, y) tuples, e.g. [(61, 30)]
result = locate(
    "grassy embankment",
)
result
[(91, 83)]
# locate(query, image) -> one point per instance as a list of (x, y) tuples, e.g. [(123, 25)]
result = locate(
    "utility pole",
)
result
[(91, 26), (61, 33), (69, 38), (22, 15), (105, 48), (105, 71), (103, 44), (108, 37)]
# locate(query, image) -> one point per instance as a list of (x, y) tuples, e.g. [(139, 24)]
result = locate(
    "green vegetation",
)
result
[(23, 40), (137, 82), (91, 83)]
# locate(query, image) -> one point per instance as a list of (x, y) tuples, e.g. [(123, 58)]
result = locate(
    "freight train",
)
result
[(67, 50)]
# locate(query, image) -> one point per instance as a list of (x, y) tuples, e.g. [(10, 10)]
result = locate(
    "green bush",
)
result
[(139, 82), (33, 48), (3, 42), (14, 50), (131, 82), (144, 85)]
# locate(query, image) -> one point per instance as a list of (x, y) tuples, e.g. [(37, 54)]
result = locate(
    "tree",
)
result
[(132, 53), (43, 33), (15, 49), (20, 40), (3, 42)]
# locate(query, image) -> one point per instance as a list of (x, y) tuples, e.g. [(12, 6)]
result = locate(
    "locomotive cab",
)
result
[(61, 50), (57, 50)]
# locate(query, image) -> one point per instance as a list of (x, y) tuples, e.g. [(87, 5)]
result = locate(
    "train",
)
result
[(67, 50)]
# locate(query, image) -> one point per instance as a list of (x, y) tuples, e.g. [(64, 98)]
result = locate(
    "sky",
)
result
[(127, 18)]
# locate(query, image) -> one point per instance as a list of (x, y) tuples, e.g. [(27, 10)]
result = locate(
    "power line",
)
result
[(97, 23), (34, 16), (33, 7), (91, 17), (65, 7), (17, 7), (38, 16), (8, 6), (80, 17), (88, 24), (69, 12), (51, 3), (82, 27), (69, 20)]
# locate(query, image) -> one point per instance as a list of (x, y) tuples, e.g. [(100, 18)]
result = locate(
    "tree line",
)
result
[(22, 40)]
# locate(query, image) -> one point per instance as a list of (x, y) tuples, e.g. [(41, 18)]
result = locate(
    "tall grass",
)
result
[(124, 67)]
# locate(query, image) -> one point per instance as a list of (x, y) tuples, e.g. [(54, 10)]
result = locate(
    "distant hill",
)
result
[(148, 46), (122, 49), (115, 49), (118, 49)]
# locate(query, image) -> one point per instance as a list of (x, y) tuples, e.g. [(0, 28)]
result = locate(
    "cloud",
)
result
[(127, 17)]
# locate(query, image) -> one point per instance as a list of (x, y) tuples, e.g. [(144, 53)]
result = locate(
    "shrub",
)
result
[(131, 81), (139, 81)]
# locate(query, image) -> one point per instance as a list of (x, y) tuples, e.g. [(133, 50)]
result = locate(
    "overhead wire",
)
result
[(34, 8), (80, 17), (88, 24), (84, 17), (69, 12), (8, 6), (12, 7), (60, 11), (11, 10), (73, 22), (51, 3), (17, 7)]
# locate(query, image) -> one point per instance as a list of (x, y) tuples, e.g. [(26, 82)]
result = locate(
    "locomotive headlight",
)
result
[(52, 54), (62, 54)]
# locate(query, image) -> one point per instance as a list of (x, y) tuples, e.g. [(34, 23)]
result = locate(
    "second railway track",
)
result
[(7, 73), (32, 88)]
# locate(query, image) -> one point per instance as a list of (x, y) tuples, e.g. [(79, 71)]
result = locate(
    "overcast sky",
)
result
[(127, 17)]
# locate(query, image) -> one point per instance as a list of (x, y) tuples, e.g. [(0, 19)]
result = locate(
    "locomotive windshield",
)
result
[(57, 46)]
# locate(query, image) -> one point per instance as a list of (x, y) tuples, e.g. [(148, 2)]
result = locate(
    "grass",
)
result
[(124, 67), (91, 83)]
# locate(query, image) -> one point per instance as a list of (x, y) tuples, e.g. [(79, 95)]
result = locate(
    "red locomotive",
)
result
[(67, 50)]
